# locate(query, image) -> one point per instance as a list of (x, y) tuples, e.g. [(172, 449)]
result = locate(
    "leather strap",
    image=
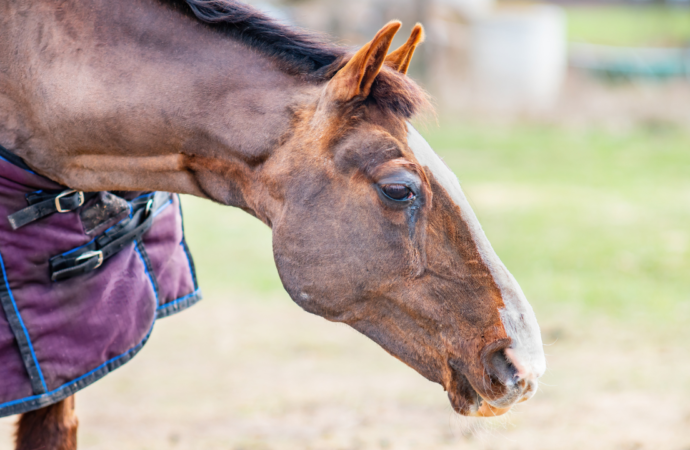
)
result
[(42, 204), (92, 255), (45, 204)]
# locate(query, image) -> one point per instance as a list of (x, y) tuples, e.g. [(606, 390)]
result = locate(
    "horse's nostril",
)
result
[(511, 382), (499, 366), (524, 366)]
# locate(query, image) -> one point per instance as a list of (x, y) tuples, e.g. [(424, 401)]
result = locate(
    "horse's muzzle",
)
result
[(504, 383), (521, 392)]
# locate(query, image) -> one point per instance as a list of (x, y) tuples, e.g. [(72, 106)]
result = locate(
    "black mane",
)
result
[(300, 52), (304, 52)]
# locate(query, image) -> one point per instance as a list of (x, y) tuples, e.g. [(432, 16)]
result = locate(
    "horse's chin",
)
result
[(468, 402), (476, 406), (486, 410)]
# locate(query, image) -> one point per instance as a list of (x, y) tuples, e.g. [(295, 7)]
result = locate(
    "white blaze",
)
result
[(518, 317)]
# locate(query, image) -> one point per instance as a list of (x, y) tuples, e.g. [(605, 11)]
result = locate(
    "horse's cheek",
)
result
[(336, 254)]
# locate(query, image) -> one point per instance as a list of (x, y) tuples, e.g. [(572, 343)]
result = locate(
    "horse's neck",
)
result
[(128, 95)]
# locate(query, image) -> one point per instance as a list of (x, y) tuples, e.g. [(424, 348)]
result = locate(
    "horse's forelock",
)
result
[(399, 94)]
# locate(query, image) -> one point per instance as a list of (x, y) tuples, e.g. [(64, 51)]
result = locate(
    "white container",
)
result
[(518, 57), (470, 10)]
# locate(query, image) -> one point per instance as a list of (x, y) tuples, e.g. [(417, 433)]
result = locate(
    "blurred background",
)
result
[(568, 125)]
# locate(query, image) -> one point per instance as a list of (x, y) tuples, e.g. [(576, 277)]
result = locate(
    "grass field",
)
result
[(593, 224), (629, 26)]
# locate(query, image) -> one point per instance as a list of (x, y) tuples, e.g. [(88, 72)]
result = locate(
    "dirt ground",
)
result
[(236, 372)]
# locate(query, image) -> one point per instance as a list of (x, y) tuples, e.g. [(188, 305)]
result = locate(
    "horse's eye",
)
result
[(397, 192)]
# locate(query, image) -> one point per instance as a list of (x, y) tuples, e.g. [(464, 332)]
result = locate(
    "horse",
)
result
[(214, 99)]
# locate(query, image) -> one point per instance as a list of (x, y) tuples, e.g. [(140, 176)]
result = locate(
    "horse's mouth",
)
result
[(485, 409), (476, 407), (466, 401)]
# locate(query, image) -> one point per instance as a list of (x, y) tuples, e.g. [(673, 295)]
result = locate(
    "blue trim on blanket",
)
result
[(183, 243), (181, 299), (148, 194), (80, 247), (163, 206), (31, 368), (188, 300), (71, 387), (145, 262), (23, 168), (175, 306)]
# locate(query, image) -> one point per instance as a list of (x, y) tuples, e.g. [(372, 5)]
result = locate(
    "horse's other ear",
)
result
[(400, 59), (357, 76)]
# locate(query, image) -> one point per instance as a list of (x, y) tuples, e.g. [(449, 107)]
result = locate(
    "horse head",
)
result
[(375, 231), (370, 227)]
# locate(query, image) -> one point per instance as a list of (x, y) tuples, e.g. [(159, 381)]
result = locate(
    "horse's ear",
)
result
[(356, 78), (400, 59)]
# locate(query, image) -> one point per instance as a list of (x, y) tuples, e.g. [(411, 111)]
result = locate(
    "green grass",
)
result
[(592, 220), (231, 249), (588, 221), (629, 26)]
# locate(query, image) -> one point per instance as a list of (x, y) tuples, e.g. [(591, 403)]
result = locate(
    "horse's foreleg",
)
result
[(51, 428)]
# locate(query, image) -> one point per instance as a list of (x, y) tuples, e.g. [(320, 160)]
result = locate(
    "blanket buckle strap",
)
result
[(92, 254), (42, 204), (79, 202)]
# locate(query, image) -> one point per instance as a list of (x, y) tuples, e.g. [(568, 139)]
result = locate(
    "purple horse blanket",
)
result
[(83, 277)]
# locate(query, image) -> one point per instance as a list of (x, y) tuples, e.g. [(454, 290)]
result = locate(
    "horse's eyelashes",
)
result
[(398, 192)]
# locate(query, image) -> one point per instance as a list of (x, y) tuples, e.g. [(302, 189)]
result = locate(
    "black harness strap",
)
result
[(92, 256), (44, 204)]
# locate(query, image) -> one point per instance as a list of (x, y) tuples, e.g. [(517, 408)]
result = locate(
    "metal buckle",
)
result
[(149, 205), (89, 255), (59, 208)]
